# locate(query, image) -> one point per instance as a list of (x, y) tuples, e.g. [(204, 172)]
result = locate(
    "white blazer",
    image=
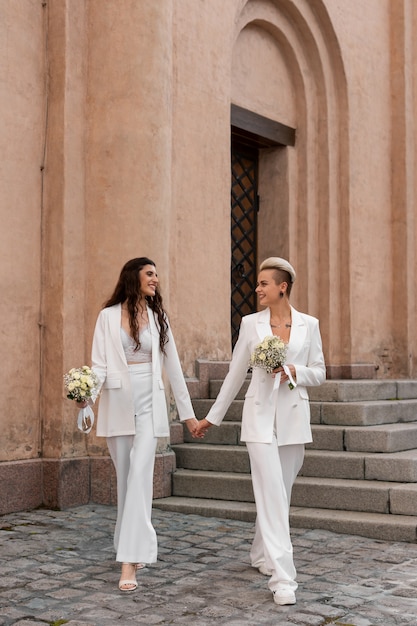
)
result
[(262, 401), (116, 411)]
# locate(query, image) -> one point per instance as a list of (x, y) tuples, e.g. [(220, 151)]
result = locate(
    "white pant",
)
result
[(274, 469), (134, 458)]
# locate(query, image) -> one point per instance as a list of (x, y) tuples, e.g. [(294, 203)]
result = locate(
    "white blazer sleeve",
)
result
[(98, 351), (235, 377), (314, 372), (172, 366)]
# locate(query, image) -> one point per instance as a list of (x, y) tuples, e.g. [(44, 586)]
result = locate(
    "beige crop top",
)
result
[(144, 354)]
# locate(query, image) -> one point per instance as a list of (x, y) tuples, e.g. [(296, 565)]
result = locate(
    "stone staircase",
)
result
[(359, 475)]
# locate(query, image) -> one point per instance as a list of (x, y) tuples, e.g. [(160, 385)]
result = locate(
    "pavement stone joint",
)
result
[(58, 567)]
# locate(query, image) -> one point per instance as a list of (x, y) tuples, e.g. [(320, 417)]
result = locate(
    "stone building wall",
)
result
[(116, 143)]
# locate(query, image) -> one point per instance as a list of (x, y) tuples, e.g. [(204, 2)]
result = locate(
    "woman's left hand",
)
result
[(192, 425)]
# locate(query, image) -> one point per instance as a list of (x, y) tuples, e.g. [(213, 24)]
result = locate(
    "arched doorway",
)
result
[(287, 65)]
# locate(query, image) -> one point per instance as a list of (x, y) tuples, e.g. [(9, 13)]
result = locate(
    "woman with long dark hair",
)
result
[(132, 343)]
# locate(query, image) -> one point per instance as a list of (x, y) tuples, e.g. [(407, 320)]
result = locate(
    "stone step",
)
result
[(335, 493), (400, 467), (321, 463), (334, 464), (215, 385), (403, 499), (215, 485), (347, 390), (203, 406), (308, 492), (375, 525), (227, 434), (395, 467), (363, 390), (327, 437), (380, 438), (365, 413), (381, 526), (227, 509), (210, 457), (359, 475)]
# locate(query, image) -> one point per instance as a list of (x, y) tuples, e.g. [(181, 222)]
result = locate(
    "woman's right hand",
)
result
[(203, 426)]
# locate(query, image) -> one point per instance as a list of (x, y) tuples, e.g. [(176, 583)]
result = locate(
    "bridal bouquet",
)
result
[(83, 385), (270, 354)]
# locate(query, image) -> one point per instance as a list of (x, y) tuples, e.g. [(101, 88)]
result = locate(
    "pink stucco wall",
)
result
[(116, 143), (22, 137)]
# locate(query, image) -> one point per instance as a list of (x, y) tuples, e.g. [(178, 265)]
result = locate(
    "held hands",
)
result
[(203, 426), (192, 425), (198, 428)]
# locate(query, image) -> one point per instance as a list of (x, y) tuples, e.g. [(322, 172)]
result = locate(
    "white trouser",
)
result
[(134, 458), (274, 469)]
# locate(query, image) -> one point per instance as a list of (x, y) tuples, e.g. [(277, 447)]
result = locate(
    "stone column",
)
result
[(107, 182), (22, 111), (128, 159), (128, 167), (64, 266)]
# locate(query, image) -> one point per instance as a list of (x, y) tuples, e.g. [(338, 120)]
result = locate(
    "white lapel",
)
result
[(298, 334), (115, 319), (298, 330), (263, 325)]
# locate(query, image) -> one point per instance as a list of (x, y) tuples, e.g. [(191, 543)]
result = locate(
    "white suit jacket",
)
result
[(263, 402), (116, 411)]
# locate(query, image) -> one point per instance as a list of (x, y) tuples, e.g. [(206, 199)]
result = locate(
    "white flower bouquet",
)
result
[(271, 354), (83, 385)]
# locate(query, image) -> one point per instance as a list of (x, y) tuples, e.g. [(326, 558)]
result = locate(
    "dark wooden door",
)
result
[(244, 210)]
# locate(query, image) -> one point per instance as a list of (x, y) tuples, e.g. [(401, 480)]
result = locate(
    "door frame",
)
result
[(257, 133)]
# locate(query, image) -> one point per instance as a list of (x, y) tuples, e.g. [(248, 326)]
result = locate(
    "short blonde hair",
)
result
[(276, 263), (284, 271)]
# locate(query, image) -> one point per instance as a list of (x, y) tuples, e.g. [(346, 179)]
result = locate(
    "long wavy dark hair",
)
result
[(128, 290)]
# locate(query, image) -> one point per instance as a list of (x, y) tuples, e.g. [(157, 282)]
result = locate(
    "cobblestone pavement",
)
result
[(57, 567)]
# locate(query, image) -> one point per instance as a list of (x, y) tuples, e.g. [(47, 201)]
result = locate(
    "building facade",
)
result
[(123, 126)]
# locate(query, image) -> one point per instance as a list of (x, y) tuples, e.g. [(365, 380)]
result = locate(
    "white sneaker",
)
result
[(283, 597), (264, 570)]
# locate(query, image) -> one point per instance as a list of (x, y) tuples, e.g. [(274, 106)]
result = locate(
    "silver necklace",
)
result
[(279, 325)]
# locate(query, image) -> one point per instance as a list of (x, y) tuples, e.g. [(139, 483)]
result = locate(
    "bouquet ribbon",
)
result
[(290, 378), (288, 373), (85, 419)]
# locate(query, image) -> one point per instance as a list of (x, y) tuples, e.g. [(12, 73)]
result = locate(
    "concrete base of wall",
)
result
[(21, 485), (63, 483)]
